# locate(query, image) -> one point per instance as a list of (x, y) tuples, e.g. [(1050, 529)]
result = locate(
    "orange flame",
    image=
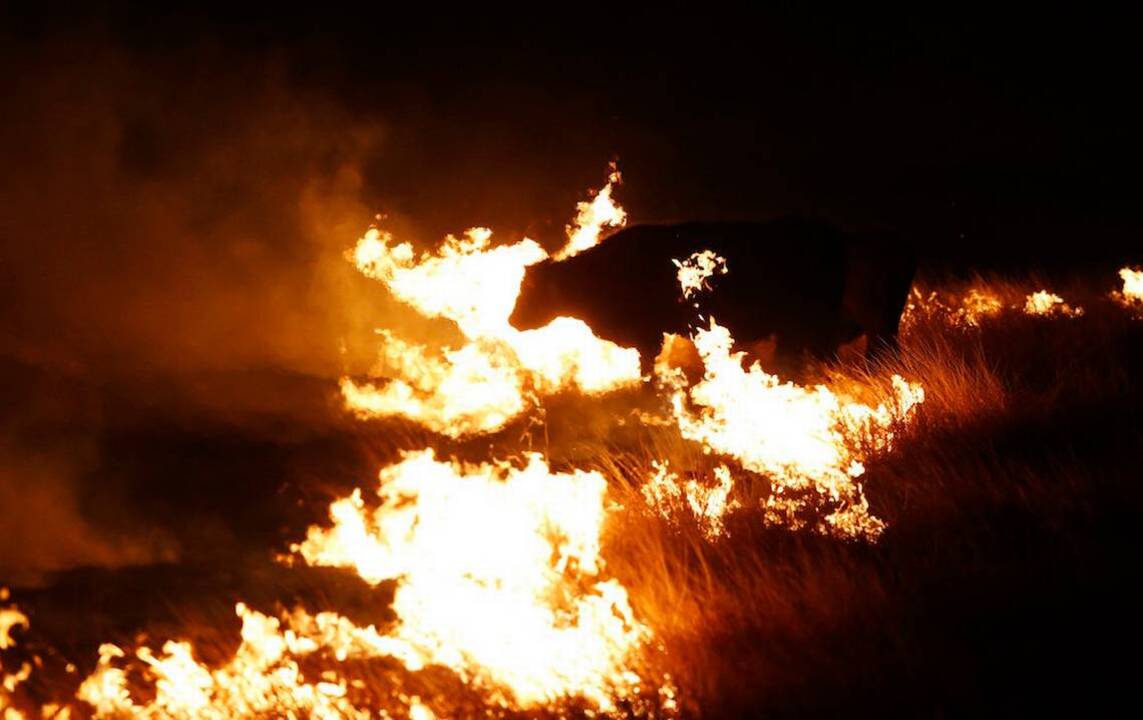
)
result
[(499, 576), (802, 438), (1049, 304), (482, 385), (592, 217), (696, 270), (263, 679), (979, 304), (708, 505), (10, 618), (1131, 296), (497, 567)]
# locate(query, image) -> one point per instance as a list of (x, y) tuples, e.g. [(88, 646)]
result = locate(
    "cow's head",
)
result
[(538, 303)]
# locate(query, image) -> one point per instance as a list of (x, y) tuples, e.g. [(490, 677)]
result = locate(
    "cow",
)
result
[(803, 283)]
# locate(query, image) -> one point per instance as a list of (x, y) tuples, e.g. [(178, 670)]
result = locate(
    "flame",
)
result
[(11, 617), (496, 567), (1048, 304), (499, 575), (466, 280), (976, 305), (263, 679), (1131, 296), (708, 505), (696, 270), (476, 388), (592, 217), (482, 385), (802, 438), (498, 578), (967, 311)]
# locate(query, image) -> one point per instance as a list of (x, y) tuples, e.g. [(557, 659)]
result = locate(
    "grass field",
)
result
[(1005, 581)]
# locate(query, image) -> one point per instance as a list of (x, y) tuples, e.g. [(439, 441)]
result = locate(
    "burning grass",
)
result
[(645, 563)]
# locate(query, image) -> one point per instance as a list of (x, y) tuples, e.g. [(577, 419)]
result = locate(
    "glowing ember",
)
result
[(695, 271), (802, 438), (1049, 304), (499, 576), (482, 385)]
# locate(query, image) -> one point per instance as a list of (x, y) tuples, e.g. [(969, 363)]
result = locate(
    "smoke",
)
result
[(173, 232)]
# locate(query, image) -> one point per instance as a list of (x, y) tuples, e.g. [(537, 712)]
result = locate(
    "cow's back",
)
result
[(786, 278)]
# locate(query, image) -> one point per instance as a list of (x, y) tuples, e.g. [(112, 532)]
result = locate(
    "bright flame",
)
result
[(802, 438), (592, 217), (1048, 304), (482, 385), (263, 679), (708, 505), (695, 271), (496, 567), (11, 617), (1131, 296), (977, 305), (476, 388), (466, 280), (967, 311), (499, 576)]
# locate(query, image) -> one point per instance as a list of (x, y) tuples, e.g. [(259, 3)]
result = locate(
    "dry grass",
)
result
[(1005, 580), (1012, 502)]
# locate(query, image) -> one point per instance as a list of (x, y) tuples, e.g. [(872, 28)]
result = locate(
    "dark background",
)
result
[(996, 141), (179, 186)]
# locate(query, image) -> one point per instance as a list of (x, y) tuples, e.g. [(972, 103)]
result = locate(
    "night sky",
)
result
[(989, 139)]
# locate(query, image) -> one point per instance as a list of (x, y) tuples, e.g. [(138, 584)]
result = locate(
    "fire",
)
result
[(465, 280), (592, 217), (263, 679), (978, 304), (802, 438), (695, 271), (11, 618), (499, 576), (1048, 304), (708, 505), (497, 567), (972, 308), (482, 385), (969, 310), (476, 388), (1131, 296)]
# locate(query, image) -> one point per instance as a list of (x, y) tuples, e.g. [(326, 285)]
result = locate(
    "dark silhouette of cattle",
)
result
[(806, 283)]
